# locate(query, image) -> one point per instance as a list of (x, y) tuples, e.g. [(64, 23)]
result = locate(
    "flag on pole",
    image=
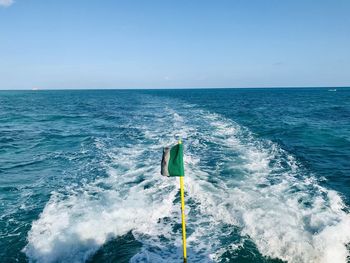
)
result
[(172, 161), (173, 165)]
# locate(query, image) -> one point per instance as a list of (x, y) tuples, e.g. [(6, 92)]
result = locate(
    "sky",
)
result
[(80, 44)]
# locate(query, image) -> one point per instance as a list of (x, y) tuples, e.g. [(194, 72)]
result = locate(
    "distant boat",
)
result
[(332, 90), (35, 89)]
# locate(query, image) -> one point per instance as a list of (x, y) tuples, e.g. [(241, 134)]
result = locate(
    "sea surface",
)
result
[(267, 175)]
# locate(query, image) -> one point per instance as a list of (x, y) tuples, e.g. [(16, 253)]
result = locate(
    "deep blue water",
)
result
[(267, 175)]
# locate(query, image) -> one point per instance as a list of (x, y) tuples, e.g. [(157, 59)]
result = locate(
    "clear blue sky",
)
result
[(174, 43)]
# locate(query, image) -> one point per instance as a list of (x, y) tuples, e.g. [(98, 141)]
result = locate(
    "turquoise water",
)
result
[(267, 175)]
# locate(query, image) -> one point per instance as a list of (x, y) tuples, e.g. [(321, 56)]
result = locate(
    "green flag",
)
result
[(172, 161)]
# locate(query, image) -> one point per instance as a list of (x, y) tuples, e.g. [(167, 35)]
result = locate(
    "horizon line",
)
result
[(178, 88)]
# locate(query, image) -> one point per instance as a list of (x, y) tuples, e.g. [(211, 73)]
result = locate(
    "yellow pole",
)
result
[(182, 194), (183, 217)]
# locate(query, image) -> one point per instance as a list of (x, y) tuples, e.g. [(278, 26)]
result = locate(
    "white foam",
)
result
[(73, 227), (75, 224), (273, 216)]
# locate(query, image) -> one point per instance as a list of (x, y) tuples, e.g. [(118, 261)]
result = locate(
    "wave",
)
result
[(235, 183), (278, 204)]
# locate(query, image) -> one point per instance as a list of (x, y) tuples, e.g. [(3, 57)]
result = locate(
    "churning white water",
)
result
[(237, 188)]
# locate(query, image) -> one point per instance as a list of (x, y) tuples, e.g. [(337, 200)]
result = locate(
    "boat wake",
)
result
[(239, 189)]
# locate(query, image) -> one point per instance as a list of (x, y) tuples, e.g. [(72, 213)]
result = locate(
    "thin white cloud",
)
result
[(6, 3)]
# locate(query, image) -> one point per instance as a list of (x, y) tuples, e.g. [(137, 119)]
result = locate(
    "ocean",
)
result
[(267, 175)]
